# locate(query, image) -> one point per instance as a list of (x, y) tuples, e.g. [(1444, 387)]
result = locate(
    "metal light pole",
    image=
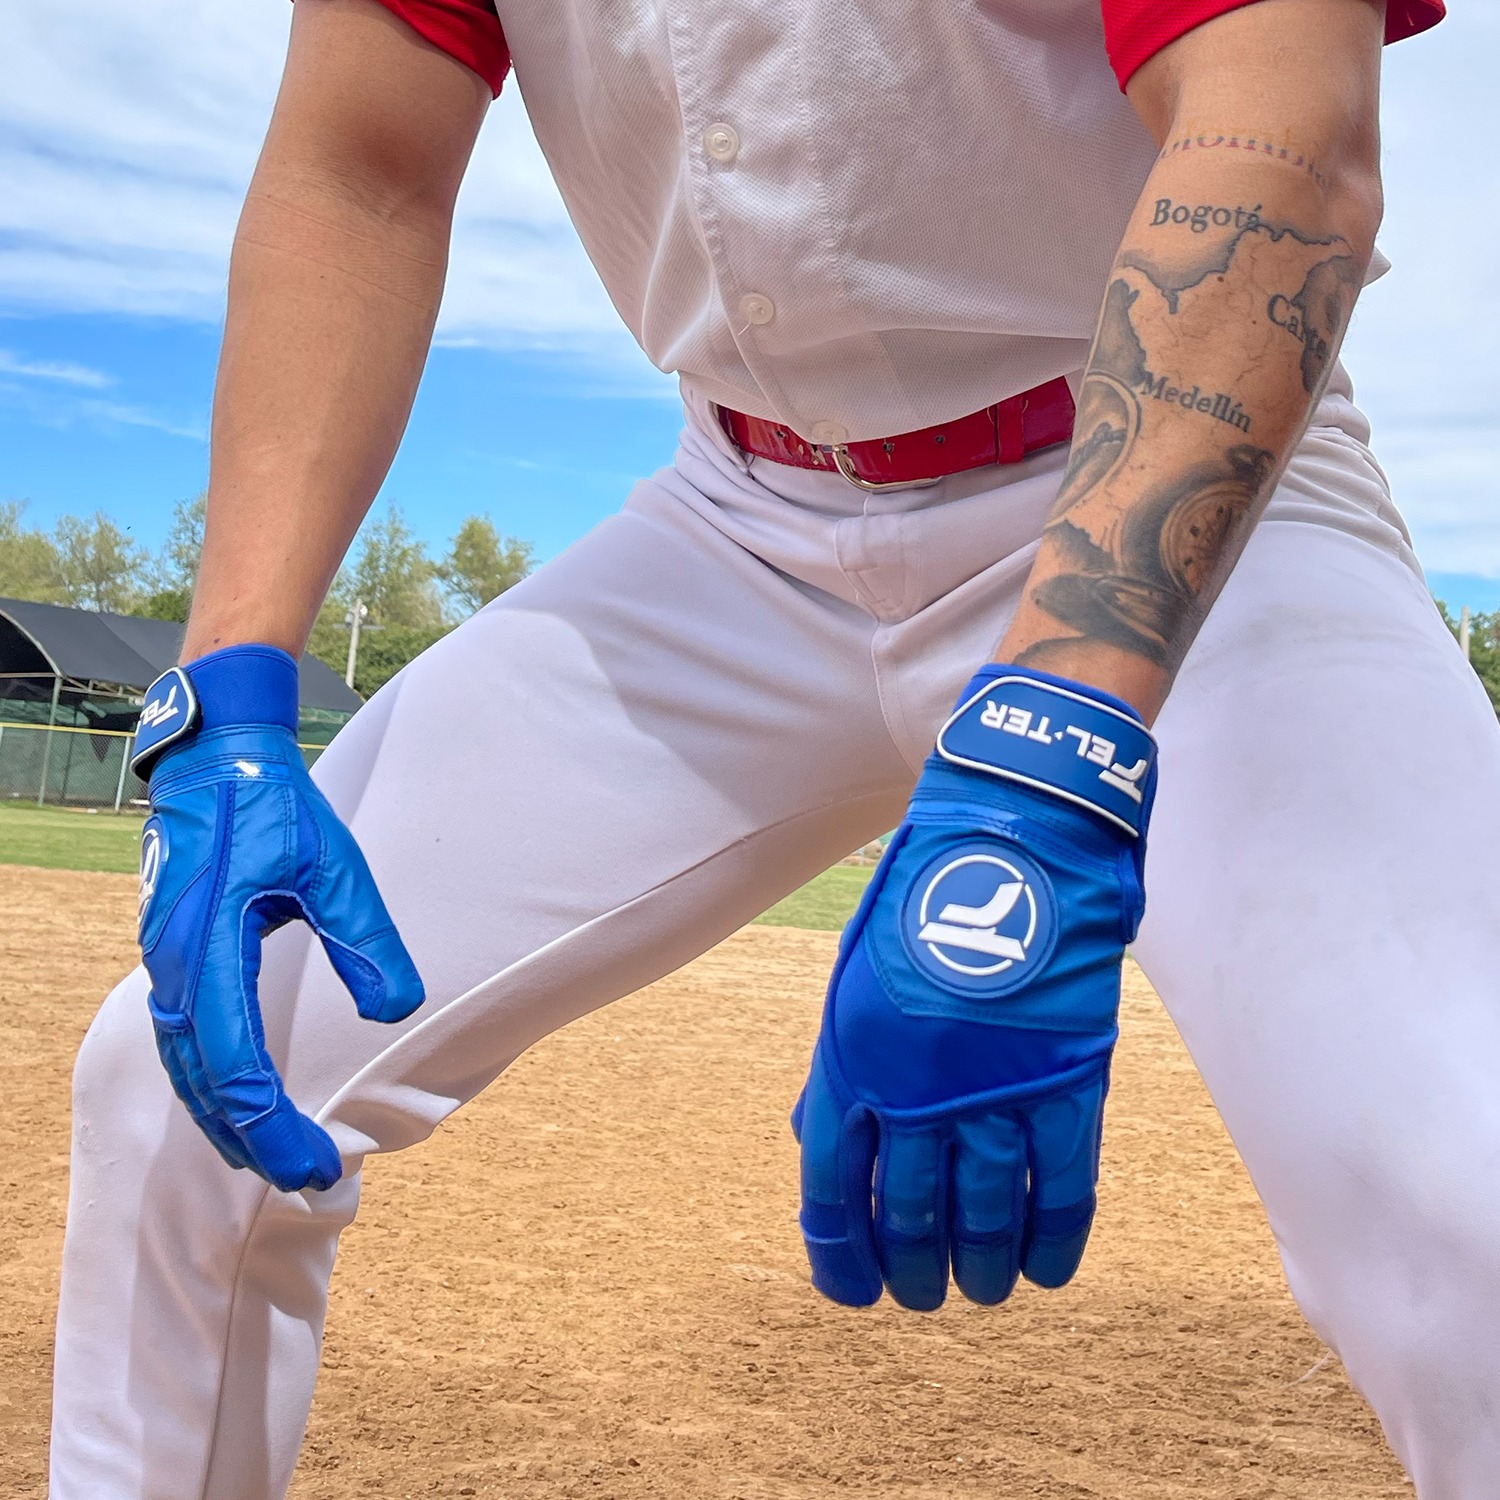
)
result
[(41, 795), (1463, 631), (356, 618), (124, 771)]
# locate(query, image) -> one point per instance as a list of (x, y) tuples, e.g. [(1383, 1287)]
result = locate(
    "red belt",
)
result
[(1001, 434)]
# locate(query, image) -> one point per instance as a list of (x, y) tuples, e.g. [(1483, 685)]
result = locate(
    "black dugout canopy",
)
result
[(47, 649)]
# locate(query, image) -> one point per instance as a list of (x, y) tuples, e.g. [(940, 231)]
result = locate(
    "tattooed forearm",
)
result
[(1252, 247), (1316, 315), (1108, 420), (1219, 327), (1143, 582)]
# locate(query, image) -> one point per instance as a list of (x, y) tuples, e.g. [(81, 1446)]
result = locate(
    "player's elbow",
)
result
[(1360, 200), (370, 119), (1347, 163), (1290, 81)]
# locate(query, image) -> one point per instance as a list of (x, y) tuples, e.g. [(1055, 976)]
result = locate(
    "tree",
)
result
[(395, 577), (170, 577), (1484, 654), (1484, 649), (383, 653), (165, 604), (183, 549), (100, 566), (481, 564), (396, 580), (29, 564)]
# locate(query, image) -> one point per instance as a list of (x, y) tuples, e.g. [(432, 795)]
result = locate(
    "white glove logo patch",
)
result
[(151, 862), (964, 909)]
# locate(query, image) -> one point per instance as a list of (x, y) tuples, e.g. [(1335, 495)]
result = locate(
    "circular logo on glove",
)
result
[(153, 856), (980, 919)]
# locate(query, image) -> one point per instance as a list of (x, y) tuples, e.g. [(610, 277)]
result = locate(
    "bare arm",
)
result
[(1223, 316), (334, 286)]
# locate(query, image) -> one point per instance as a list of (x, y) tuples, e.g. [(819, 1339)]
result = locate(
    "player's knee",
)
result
[(1428, 1366), (1413, 1310)]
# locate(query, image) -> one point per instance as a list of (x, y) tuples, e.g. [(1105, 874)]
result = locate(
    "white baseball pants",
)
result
[(709, 699)]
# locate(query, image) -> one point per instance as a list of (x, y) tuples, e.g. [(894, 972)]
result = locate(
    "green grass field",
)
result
[(61, 839), (824, 904)]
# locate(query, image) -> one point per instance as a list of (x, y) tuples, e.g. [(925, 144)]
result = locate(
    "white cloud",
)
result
[(62, 371), (128, 132), (1421, 350), (126, 135), (70, 408), (127, 415), (1445, 475)]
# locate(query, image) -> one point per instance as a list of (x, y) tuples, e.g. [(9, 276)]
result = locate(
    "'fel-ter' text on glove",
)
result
[(954, 1106), (238, 843)]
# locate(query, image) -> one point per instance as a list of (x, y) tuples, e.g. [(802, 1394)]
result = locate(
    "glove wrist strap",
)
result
[(1061, 737), (240, 685)]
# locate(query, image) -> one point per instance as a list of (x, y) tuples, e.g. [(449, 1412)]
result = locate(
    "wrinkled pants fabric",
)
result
[(709, 699)]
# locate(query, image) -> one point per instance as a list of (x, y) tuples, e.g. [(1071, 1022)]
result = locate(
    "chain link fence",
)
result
[(76, 767)]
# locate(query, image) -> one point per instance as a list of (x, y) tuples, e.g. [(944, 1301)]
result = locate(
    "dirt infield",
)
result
[(590, 1284)]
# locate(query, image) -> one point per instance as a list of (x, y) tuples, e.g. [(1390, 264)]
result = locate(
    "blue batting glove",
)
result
[(953, 1110), (240, 842)]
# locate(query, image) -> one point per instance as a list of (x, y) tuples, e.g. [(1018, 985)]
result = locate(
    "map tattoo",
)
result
[(1134, 553)]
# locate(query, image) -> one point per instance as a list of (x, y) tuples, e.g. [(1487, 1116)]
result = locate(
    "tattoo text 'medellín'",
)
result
[(1219, 406)]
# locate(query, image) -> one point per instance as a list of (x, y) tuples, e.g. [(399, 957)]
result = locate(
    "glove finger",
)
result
[(228, 1067), (911, 1217), (194, 1090), (169, 1047), (291, 1151), (225, 1142), (359, 937), (989, 1207), (178, 1050), (838, 1159), (280, 1143), (1064, 1140)]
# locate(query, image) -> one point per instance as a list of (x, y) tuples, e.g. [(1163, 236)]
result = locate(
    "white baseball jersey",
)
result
[(855, 219)]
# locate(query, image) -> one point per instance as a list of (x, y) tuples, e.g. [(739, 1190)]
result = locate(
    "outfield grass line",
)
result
[(824, 904), (55, 838)]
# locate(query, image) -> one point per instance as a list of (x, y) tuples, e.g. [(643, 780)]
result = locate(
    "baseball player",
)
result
[(926, 556)]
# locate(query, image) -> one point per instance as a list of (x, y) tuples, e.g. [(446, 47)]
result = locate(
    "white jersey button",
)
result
[(722, 142), (829, 432), (756, 308)]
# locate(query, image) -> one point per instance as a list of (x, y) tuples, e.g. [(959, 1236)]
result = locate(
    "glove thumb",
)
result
[(357, 933)]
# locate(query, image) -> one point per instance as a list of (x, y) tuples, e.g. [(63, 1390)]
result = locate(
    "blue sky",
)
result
[(127, 134)]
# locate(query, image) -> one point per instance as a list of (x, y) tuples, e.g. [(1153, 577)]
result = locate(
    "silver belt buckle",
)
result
[(839, 453)]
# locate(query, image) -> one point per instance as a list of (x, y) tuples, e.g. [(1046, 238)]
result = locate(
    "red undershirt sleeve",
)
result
[(1135, 30), (467, 30)]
